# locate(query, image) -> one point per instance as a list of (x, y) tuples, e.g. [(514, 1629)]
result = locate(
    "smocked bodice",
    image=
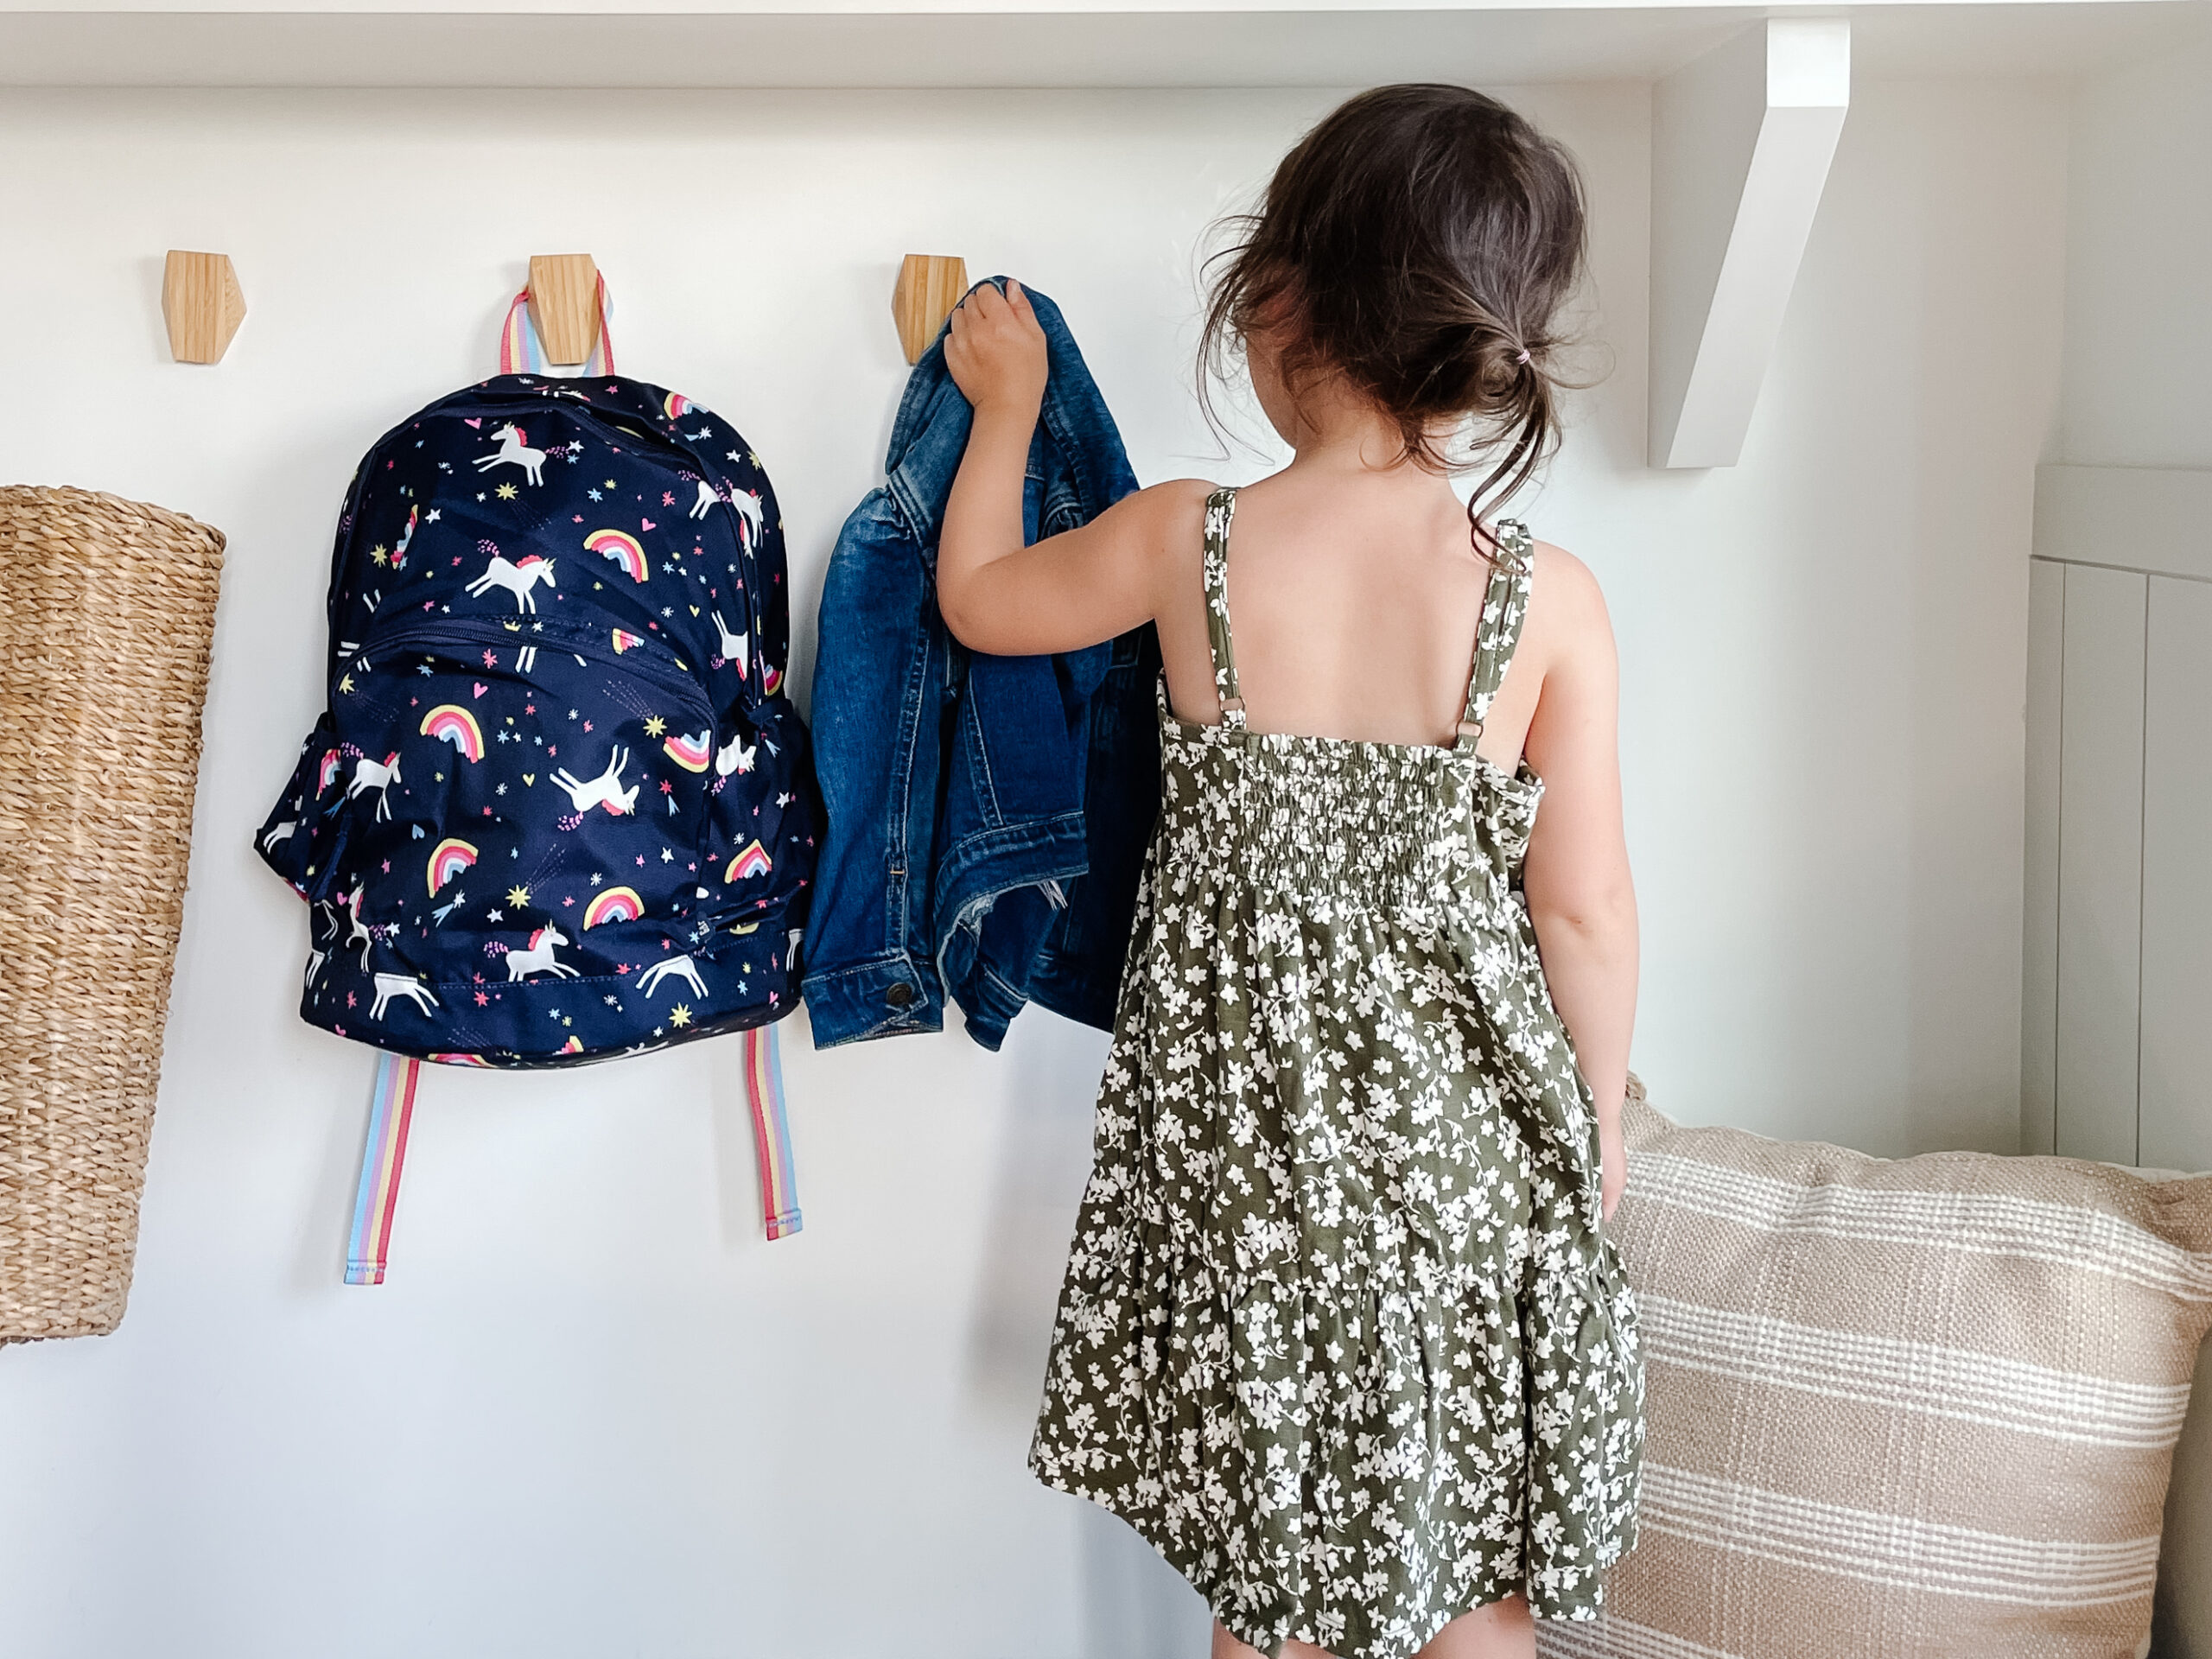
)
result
[(1331, 821)]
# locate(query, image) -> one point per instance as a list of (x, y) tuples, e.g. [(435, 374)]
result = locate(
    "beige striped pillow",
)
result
[(1909, 1407)]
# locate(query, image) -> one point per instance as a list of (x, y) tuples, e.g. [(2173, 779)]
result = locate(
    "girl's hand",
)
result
[(996, 352), (1613, 1174)]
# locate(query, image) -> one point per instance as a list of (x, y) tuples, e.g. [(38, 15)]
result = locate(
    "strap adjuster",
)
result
[(1514, 547)]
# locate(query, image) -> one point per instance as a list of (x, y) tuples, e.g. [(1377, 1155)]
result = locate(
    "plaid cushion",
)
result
[(1898, 1406)]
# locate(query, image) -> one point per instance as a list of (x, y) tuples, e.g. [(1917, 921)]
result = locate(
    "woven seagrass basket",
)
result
[(106, 607)]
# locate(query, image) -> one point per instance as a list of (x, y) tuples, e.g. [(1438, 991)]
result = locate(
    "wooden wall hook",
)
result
[(564, 305), (928, 286), (202, 304)]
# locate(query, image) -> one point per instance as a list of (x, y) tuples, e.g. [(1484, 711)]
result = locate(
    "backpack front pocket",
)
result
[(503, 786)]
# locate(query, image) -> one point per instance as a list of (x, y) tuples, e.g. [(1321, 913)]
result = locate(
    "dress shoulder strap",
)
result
[(1505, 606), (1221, 507)]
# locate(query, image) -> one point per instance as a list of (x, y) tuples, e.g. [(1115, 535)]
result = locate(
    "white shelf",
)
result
[(1044, 43)]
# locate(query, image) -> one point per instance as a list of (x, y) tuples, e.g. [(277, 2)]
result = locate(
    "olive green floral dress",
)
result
[(1340, 1334)]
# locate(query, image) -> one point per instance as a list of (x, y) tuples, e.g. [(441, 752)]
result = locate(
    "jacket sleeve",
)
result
[(879, 684)]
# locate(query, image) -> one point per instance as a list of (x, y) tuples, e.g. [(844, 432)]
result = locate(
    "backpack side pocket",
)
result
[(303, 835)]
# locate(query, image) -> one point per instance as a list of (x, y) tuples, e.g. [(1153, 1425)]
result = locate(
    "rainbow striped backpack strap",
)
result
[(772, 1133), (391, 1109)]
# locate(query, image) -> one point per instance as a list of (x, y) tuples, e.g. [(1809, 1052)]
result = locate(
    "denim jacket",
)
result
[(988, 816)]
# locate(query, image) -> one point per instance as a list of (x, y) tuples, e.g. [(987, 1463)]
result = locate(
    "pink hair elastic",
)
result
[(1524, 357)]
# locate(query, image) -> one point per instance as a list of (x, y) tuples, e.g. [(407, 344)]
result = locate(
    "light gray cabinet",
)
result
[(2117, 971), (2175, 1064)]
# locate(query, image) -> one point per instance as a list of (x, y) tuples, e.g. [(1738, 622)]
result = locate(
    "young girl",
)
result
[(1342, 1335)]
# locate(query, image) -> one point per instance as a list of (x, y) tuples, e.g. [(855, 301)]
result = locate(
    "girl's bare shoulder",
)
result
[(1560, 576), (1159, 511), (1567, 619), (1177, 500), (1163, 522)]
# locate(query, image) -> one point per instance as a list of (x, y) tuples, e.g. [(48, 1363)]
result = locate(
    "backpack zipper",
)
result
[(649, 660), (676, 445)]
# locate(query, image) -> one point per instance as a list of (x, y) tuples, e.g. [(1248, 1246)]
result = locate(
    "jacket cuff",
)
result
[(883, 998)]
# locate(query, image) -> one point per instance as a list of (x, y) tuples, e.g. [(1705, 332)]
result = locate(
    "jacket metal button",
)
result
[(899, 994)]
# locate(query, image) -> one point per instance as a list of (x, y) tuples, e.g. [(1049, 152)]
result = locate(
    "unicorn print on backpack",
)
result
[(736, 755), (682, 966), (361, 931), (368, 774), (518, 577), (603, 790), (539, 958), (513, 452), (750, 516), (402, 986), (733, 646)]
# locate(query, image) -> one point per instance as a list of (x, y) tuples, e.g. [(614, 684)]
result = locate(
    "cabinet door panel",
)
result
[(2099, 864), (2039, 911), (2177, 1053)]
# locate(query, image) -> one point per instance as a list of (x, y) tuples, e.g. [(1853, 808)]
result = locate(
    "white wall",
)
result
[(1822, 652), (2137, 387), (592, 1412)]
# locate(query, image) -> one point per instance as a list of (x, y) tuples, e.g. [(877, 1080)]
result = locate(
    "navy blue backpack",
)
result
[(558, 807)]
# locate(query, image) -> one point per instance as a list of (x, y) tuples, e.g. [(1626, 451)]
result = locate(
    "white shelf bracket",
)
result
[(1741, 140)]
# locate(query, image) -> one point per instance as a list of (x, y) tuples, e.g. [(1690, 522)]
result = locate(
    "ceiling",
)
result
[(1047, 43)]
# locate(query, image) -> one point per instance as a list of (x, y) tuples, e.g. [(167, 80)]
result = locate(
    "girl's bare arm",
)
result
[(1067, 591), (1580, 896)]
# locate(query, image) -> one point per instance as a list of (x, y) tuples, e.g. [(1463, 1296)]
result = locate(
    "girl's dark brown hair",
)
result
[(1421, 243)]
